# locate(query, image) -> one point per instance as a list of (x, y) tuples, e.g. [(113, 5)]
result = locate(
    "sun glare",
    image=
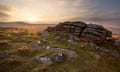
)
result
[(31, 19)]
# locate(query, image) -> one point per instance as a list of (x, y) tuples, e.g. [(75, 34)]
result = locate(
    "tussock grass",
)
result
[(22, 58)]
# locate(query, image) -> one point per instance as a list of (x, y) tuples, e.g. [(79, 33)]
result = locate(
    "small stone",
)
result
[(25, 41), (82, 46), (45, 35), (57, 38), (3, 54), (58, 57), (97, 47), (102, 54), (36, 46), (97, 57), (72, 42), (44, 60), (38, 42), (117, 43), (105, 50), (116, 55), (70, 53), (48, 47), (92, 45)]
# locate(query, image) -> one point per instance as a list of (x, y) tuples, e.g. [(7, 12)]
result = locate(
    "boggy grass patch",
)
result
[(10, 63), (24, 51), (5, 45)]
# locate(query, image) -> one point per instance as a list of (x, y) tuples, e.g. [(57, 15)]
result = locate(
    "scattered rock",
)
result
[(45, 35), (82, 46), (72, 42), (116, 55), (25, 41), (36, 46), (117, 43), (39, 42), (48, 47), (72, 37), (93, 45), (4, 54), (102, 53), (58, 57), (70, 53), (105, 50), (97, 57), (44, 60), (57, 38)]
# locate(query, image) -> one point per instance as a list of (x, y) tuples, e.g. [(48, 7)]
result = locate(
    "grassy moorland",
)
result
[(20, 54)]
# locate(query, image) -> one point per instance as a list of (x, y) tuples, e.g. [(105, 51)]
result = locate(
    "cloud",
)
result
[(3, 15), (4, 7), (108, 19), (109, 16), (77, 3), (62, 2), (97, 16), (4, 12)]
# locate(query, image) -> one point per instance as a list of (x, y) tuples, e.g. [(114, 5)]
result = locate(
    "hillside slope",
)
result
[(55, 52)]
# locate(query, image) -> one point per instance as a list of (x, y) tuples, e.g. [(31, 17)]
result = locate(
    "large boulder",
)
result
[(96, 31), (81, 29)]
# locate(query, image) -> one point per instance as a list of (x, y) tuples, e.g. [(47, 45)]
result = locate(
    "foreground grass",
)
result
[(22, 55)]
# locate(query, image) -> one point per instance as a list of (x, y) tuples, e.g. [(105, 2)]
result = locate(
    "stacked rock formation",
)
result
[(81, 29)]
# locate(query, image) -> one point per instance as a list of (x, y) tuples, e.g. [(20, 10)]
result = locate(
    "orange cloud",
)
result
[(4, 12)]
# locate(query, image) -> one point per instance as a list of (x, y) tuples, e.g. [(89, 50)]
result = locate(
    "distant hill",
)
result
[(33, 27), (21, 24)]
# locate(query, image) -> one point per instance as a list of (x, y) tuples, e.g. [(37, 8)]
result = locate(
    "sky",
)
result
[(52, 11)]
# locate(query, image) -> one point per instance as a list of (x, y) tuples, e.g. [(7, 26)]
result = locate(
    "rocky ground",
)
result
[(21, 51)]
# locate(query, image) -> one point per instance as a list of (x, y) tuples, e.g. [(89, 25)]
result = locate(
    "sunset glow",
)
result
[(52, 11), (59, 35), (30, 19)]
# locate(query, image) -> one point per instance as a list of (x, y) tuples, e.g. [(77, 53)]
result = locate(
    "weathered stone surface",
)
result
[(94, 26), (70, 53), (58, 57), (44, 60), (81, 29), (96, 30), (93, 32)]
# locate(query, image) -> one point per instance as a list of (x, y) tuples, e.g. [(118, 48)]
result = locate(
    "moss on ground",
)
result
[(22, 58)]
